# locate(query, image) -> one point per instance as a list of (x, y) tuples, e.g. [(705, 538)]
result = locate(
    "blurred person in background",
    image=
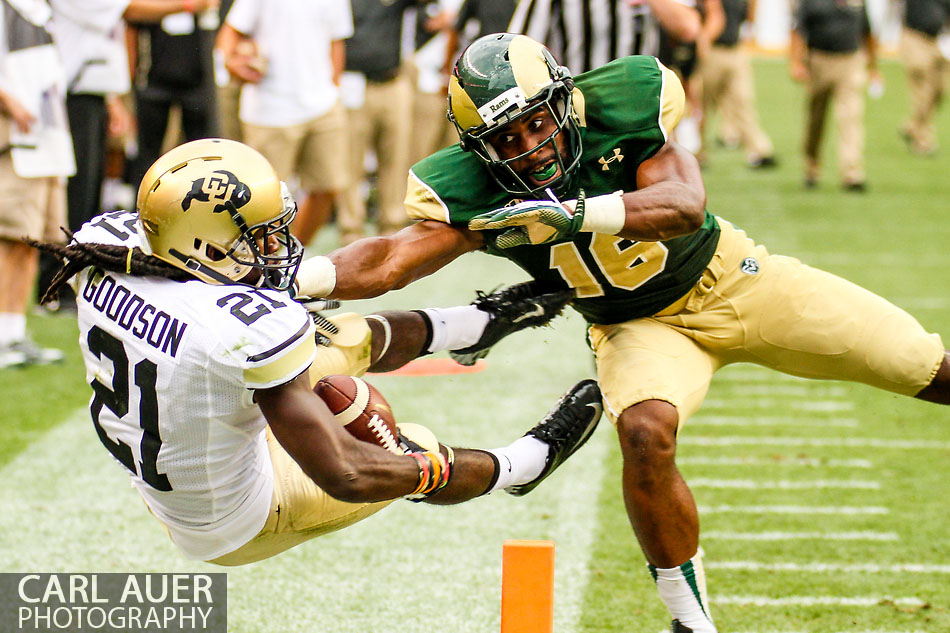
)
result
[(728, 88), (431, 130), (476, 18), (378, 98), (472, 20), (586, 34), (36, 156), (683, 58), (173, 67), (926, 70), (90, 35), (289, 56), (229, 87), (832, 51)]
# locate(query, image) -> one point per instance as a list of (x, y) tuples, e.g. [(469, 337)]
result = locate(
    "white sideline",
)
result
[(792, 509), (816, 567), (761, 420), (790, 536), (806, 462), (826, 442), (782, 484), (741, 389), (811, 601), (811, 406)]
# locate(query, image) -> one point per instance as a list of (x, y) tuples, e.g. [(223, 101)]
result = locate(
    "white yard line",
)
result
[(756, 388), (826, 442), (792, 536), (781, 484), (816, 567), (761, 421), (812, 601), (792, 509), (769, 461), (811, 406)]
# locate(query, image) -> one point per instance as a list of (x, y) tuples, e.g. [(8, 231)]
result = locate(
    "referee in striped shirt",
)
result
[(586, 34)]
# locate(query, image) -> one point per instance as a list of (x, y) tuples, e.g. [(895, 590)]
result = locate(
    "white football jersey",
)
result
[(173, 367)]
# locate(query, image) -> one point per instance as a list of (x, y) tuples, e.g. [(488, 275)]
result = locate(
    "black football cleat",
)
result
[(510, 310), (565, 429), (679, 627)]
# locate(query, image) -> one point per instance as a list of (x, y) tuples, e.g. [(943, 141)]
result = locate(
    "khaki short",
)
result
[(301, 510), (314, 151), (770, 310), (32, 207)]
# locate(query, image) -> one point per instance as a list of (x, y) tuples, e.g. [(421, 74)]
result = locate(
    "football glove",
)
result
[(325, 328), (533, 222), (435, 469)]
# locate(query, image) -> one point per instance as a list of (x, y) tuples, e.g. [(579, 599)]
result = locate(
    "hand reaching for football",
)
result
[(532, 222)]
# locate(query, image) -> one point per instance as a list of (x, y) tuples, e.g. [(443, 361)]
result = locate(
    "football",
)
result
[(360, 408)]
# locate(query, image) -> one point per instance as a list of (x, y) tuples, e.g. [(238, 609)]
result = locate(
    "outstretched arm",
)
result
[(669, 201), (346, 468), (375, 265)]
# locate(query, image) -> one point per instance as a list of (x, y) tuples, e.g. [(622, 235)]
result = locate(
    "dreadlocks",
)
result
[(78, 255)]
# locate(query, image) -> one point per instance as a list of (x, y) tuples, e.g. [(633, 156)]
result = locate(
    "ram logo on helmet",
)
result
[(221, 187)]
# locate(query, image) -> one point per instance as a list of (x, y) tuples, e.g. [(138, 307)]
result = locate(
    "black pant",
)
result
[(199, 119), (88, 118)]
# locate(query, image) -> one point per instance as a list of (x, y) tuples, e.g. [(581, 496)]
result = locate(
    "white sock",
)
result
[(455, 328), (12, 327), (683, 591), (519, 462)]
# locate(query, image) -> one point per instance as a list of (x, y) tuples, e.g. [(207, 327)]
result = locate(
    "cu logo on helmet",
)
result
[(220, 187)]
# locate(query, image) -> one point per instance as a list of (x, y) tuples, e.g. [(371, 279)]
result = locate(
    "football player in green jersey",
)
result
[(575, 180)]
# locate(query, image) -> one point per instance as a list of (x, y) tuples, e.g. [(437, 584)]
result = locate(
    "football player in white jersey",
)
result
[(202, 367)]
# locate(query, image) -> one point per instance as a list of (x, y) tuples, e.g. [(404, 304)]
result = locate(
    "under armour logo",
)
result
[(221, 187), (606, 161), (750, 266)]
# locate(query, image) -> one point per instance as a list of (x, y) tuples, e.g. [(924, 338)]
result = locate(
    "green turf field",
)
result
[(823, 504)]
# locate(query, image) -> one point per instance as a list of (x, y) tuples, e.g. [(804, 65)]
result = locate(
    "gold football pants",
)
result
[(774, 311)]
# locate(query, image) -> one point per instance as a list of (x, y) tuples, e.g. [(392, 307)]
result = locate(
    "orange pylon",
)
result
[(527, 587)]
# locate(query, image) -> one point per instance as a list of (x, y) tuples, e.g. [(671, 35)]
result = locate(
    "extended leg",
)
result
[(663, 512), (519, 467)]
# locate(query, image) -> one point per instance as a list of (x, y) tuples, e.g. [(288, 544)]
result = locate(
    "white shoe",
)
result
[(10, 357), (31, 354)]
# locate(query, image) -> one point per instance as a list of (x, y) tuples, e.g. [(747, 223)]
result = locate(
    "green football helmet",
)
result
[(503, 77)]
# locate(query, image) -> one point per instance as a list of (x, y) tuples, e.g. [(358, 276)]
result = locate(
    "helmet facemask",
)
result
[(269, 246), (556, 99), (503, 78)]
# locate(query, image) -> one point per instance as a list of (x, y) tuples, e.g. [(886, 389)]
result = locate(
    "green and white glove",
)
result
[(531, 222), (543, 221)]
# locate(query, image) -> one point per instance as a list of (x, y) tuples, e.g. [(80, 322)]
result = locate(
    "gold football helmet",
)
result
[(217, 209)]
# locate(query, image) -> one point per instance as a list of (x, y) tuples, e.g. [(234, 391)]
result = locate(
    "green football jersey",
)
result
[(626, 109)]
